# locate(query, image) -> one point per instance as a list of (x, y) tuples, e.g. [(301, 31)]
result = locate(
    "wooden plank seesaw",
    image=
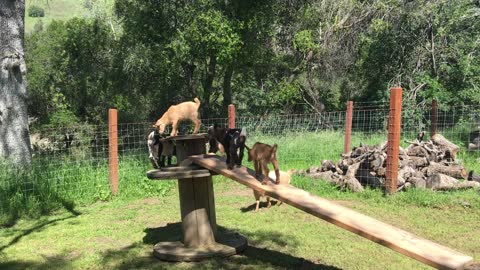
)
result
[(423, 250)]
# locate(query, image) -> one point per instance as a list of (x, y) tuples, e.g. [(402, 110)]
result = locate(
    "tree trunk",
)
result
[(207, 87), (14, 133), (227, 87), (189, 70)]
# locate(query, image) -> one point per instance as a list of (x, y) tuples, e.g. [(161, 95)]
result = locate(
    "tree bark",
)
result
[(227, 86), (207, 87), (14, 133), (189, 70)]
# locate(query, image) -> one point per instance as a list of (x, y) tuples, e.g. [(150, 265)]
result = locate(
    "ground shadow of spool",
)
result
[(252, 255)]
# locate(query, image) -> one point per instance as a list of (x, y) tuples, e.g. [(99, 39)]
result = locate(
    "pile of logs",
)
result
[(423, 164)]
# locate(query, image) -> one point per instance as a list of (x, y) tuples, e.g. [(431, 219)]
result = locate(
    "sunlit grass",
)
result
[(63, 209)]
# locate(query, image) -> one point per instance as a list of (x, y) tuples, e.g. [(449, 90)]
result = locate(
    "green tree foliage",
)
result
[(36, 11), (70, 66), (264, 56), (430, 48)]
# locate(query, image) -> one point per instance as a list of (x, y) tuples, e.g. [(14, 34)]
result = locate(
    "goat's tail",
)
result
[(197, 101)]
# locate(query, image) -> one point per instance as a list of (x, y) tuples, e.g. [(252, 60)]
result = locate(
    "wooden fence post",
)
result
[(231, 116), (113, 150), (393, 146), (433, 127), (348, 127)]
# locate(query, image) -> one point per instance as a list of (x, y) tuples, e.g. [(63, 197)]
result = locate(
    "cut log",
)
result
[(418, 162), (376, 161), (328, 165), (440, 181), (419, 174), (367, 178), (328, 176), (473, 147), (467, 184), (450, 147), (417, 151), (313, 169), (456, 171), (351, 182), (418, 182), (404, 174), (405, 186), (381, 171), (345, 163)]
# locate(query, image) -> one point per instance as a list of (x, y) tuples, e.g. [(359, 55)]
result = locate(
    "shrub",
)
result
[(36, 11), (38, 27)]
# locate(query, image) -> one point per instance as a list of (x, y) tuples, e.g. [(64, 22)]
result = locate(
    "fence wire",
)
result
[(76, 158)]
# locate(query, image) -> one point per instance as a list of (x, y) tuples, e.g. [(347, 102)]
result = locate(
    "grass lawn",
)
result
[(54, 10), (120, 233)]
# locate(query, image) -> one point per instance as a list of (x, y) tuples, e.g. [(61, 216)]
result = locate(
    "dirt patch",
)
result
[(143, 202), (236, 192), (349, 204), (73, 255), (104, 240)]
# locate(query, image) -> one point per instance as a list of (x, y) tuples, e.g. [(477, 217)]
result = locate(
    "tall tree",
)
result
[(14, 133)]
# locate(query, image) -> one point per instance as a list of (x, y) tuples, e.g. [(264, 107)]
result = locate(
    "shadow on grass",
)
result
[(253, 257), (37, 228), (41, 200), (61, 261)]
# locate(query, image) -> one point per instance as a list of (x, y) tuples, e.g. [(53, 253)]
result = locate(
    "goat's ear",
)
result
[(243, 132), (274, 148)]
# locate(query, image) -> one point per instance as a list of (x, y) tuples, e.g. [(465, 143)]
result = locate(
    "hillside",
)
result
[(55, 10)]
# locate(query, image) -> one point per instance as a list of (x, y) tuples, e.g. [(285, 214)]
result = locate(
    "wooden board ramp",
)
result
[(423, 250)]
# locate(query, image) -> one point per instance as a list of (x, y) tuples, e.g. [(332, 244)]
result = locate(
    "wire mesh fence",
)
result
[(75, 159)]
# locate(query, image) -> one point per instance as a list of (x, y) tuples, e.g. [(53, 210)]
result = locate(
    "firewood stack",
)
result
[(423, 164)]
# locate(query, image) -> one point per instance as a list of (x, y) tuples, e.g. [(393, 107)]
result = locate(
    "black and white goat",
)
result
[(159, 149)]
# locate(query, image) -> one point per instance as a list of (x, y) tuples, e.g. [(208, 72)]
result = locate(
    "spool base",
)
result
[(227, 244)]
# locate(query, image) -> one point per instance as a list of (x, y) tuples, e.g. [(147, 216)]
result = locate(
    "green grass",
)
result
[(302, 150), (70, 220), (67, 182), (54, 10), (120, 233)]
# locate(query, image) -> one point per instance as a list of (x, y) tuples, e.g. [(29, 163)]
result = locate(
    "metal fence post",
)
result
[(393, 146), (113, 150), (433, 127), (348, 127), (231, 116)]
